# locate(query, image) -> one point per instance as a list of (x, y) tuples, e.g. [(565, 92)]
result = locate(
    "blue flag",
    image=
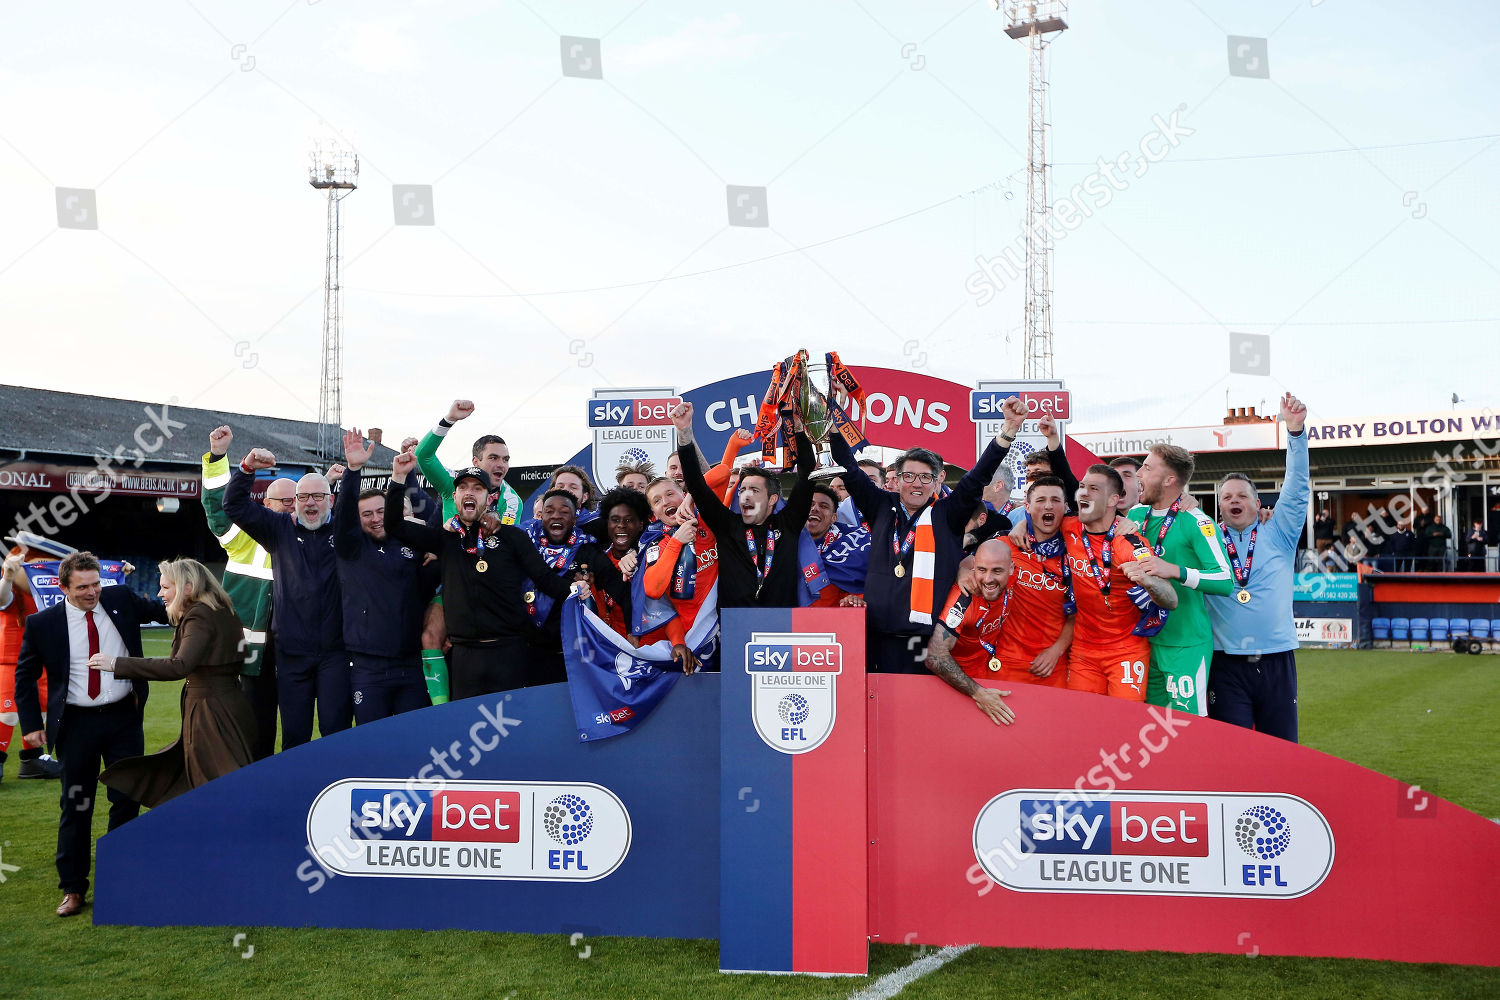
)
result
[(844, 563), (614, 685), (42, 576)]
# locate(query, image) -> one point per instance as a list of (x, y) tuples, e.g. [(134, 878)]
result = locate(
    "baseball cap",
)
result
[(472, 472)]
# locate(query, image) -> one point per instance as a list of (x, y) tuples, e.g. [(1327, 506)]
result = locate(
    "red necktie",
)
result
[(94, 676)]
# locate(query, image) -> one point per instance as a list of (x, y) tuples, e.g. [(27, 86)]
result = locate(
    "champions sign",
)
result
[(551, 831), (1260, 845), (793, 699)]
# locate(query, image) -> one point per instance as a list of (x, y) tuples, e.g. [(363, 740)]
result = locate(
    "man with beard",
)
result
[(563, 546), (834, 557), (1253, 680), (1188, 553), (385, 589), (750, 575), (1113, 592), (963, 646), (680, 562), (916, 542), (311, 662), (1034, 641), (485, 568)]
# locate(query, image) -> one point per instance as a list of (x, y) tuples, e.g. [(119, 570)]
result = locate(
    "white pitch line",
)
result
[(892, 983)]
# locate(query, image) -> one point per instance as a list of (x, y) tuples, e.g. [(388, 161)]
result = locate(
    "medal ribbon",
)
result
[(1166, 524), (1108, 560), (1241, 576), (1055, 548), (760, 571), (456, 526), (989, 647)]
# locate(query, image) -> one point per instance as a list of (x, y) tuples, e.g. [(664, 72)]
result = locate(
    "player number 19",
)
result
[(1138, 675)]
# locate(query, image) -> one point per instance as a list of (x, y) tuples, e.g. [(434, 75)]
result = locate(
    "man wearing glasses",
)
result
[(916, 542), (247, 580), (312, 665)]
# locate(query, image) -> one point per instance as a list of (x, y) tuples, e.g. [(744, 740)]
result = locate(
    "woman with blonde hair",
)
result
[(218, 724)]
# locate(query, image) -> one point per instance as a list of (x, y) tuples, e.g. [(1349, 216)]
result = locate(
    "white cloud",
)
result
[(381, 48)]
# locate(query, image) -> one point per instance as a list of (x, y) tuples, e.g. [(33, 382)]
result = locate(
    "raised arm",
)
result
[(1057, 459), (799, 503), (711, 509), (869, 498), (966, 495), (259, 523), (940, 661), (718, 477), (215, 478), (1290, 516), (437, 474), (347, 533), (418, 536)]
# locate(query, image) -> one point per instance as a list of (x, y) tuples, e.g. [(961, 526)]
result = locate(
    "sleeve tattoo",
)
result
[(940, 661)]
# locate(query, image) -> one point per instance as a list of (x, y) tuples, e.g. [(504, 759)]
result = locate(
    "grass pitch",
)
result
[(1428, 719)]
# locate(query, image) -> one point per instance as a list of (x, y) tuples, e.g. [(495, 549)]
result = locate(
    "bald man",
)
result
[(963, 645), (312, 667), (247, 580)]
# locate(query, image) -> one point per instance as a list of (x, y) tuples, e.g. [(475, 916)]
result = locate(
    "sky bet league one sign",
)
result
[(1262, 846), (559, 832), (794, 701), (1041, 396), (631, 425)]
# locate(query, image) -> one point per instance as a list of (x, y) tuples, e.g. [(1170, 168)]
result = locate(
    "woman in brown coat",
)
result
[(218, 724)]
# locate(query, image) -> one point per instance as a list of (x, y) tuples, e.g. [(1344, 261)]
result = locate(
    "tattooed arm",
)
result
[(940, 661), (1161, 590)]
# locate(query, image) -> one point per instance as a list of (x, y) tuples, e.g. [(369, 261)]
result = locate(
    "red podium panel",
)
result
[(1109, 824)]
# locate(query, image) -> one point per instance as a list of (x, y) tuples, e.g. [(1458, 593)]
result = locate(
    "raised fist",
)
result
[(407, 444), (682, 417), (1015, 414), (219, 440), (1048, 426), (1294, 412), (335, 473), (460, 409), (402, 465), (259, 458)]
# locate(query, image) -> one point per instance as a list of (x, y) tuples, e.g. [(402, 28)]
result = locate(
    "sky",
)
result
[(1339, 200)]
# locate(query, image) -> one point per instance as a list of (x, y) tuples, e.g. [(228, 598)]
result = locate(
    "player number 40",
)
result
[(1181, 687), (1134, 672)]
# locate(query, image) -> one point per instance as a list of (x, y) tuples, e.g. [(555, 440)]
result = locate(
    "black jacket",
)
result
[(888, 596), (478, 607), (305, 579), (44, 648), (737, 568), (382, 586)]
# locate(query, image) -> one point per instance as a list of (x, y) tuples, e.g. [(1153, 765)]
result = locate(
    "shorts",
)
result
[(1021, 672), (1110, 672), (1179, 677)]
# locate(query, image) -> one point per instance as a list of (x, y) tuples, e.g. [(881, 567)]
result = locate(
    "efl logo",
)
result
[(1262, 845), (989, 404), (793, 699), (656, 412), (558, 831)]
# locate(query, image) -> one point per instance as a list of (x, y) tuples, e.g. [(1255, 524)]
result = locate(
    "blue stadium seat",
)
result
[(1479, 628), (1494, 628), (1380, 629), (1401, 629), (1458, 627), (1439, 628), (1420, 629)]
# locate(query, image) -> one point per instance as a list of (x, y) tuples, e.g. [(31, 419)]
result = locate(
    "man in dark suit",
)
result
[(91, 715)]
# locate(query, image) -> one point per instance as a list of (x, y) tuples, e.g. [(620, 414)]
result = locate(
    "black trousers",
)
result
[(486, 668), (1258, 692), (386, 685), (85, 737), (261, 690), (303, 679)]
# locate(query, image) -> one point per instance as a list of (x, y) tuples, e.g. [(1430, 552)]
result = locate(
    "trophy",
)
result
[(824, 412)]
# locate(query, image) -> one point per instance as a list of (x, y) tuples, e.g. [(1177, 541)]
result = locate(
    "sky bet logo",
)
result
[(571, 831), (632, 412), (989, 404), (792, 695), (1262, 845)]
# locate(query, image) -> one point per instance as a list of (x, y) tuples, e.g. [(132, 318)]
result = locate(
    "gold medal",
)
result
[(481, 566), (900, 570), (994, 664), (529, 597), (1243, 596)]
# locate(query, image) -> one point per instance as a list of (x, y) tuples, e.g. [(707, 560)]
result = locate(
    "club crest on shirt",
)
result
[(1209, 531)]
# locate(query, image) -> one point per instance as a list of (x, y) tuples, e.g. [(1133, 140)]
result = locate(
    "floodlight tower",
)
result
[(1037, 22), (336, 171)]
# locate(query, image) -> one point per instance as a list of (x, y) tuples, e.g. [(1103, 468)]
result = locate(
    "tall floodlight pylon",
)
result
[(335, 171), (1037, 22)]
